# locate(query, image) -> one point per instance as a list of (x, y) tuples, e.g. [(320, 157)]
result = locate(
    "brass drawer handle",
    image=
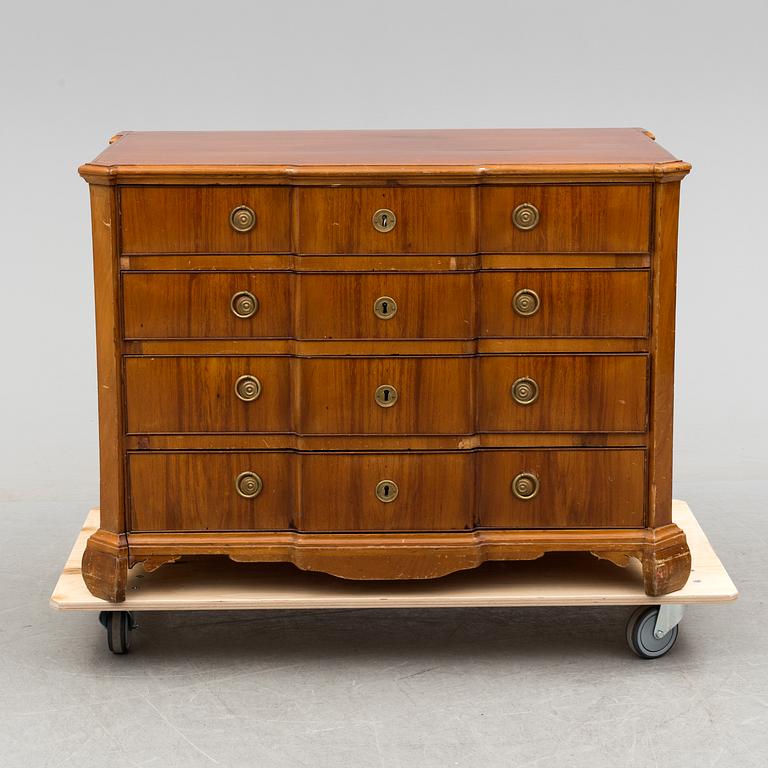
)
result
[(244, 304), (385, 395), (384, 220), (386, 491), (525, 391), (248, 388), (525, 216), (525, 486), (526, 302), (385, 307), (248, 485), (242, 219)]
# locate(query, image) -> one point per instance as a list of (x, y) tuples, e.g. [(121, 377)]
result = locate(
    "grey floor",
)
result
[(410, 689)]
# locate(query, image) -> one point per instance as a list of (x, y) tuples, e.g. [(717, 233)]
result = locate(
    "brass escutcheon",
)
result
[(242, 219), (248, 388), (386, 491), (385, 395), (525, 486), (525, 216), (384, 220), (244, 304), (248, 485), (385, 307), (526, 302), (525, 391)]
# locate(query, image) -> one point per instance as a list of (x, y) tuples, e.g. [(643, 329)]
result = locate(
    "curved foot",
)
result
[(667, 563), (105, 566)]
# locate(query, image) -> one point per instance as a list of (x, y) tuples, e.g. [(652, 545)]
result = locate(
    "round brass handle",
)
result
[(385, 395), (248, 388), (386, 491), (525, 391), (384, 220), (248, 485), (244, 304), (525, 216), (525, 486), (385, 307), (526, 302), (242, 219)]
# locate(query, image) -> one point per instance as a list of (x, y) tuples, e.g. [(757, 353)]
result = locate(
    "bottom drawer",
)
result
[(260, 490)]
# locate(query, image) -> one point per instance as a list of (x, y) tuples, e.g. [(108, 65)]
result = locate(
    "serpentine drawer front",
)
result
[(385, 354)]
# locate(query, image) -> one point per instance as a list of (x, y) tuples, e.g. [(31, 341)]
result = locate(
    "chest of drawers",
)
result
[(385, 355)]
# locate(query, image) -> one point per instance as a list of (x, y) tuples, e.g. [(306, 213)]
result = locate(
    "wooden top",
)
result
[(135, 157), (556, 579)]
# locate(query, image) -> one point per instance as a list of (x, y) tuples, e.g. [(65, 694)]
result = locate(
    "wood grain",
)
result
[(338, 220), (577, 393), (572, 303), (589, 218), (184, 219), (578, 489)]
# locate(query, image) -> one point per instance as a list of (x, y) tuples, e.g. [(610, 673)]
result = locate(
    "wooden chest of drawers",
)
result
[(385, 355)]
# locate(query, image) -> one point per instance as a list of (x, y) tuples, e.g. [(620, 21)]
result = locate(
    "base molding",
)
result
[(663, 552)]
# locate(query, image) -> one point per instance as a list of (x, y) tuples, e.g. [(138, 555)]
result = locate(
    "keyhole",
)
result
[(386, 491), (384, 308), (384, 220), (386, 398)]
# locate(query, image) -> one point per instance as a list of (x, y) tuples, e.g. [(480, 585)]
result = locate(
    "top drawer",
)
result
[(566, 219), (201, 219), (381, 220)]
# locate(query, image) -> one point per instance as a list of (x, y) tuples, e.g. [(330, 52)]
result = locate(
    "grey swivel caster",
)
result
[(118, 625), (652, 630)]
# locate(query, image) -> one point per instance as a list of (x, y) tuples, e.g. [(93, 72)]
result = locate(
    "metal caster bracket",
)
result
[(670, 615)]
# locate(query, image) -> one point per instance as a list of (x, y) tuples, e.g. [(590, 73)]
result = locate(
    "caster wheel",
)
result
[(118, 625), (640, 634)]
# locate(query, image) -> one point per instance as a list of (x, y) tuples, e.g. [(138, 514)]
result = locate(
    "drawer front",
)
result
[(333, 395), (198, 305), (426, 220), (563, 393), (573, 488), (197, 220), (198, 491), (431, 396), (429, 492), (564, 304), (199, 394), (385, 306), (571, 219)]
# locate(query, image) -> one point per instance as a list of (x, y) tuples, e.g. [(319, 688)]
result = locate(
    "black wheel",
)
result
[(118, 625), (641, 637)]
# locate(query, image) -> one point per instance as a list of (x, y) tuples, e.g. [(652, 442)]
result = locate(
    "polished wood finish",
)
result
[(429, 220), (192, 305), (188, 219), (334, 492), (583, 303), (197, 305), (577, 393), (578, 489), (441, 157), (599, 347), (588, 218)]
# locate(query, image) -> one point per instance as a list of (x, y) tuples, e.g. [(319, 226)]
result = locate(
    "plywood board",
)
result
[(214, 583)]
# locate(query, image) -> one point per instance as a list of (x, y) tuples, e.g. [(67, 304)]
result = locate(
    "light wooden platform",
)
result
[(556, 579)]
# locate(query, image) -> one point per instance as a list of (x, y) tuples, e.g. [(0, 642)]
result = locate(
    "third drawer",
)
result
[(387, 395)]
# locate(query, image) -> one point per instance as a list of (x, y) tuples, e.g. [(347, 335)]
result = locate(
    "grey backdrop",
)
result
[(385, 689), (75, 73)]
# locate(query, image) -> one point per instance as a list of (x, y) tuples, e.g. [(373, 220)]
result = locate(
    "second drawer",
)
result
[(386, 395), (510, 303)]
